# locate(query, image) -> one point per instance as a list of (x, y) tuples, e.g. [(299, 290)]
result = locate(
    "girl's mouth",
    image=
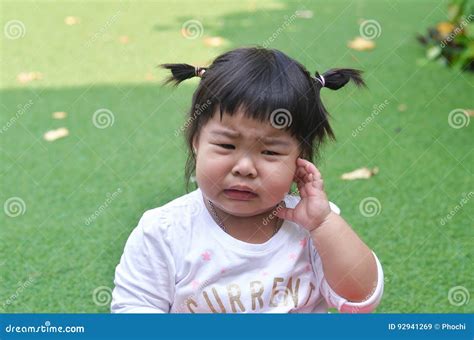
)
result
[(239, 195)]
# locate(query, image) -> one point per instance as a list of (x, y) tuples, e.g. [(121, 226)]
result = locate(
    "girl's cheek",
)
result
[(282, 179)]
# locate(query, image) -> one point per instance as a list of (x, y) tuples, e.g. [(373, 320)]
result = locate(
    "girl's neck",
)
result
[(252, 229)]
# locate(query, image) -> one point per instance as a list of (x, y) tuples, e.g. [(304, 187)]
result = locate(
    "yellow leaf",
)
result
[(71, 20), (26, 77), (361, 44), (445, 28), (214, 41), (361, 173), (59, 115), (53, 135), (124, 39), (149, 76)]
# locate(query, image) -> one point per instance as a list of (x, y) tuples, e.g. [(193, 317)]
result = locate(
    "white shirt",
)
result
[(178, 260)]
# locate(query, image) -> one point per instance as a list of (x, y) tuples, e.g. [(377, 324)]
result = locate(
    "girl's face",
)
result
[(242, 151)]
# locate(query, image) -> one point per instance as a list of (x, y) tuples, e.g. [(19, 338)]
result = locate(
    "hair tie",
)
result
[(321, 80), (199, 71)]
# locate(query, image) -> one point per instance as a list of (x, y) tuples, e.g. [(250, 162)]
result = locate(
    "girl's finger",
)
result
[(286, 214), (302, 189), (311, 168), (305, 168), (300, 173)]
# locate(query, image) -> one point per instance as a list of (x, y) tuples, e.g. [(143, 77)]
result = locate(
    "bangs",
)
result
[(264, 85)]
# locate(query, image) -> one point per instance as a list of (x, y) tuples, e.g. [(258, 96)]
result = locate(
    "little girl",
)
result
[(242, 242)]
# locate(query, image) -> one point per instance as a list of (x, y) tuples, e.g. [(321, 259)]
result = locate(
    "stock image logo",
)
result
[(370, 207), (370, 29), (192, 29), (14, 29), (103, 118), (281, 118)]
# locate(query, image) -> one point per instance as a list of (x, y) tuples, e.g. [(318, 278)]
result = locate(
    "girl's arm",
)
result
[(349, 267), (348, 264)]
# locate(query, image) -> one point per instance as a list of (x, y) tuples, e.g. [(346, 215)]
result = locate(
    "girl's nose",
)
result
[(244, 167)]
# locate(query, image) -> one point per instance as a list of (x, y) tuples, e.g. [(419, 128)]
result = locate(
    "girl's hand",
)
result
[(313, 208)]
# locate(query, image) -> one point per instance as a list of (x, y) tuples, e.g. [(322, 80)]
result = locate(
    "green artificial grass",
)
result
[(52, 260)]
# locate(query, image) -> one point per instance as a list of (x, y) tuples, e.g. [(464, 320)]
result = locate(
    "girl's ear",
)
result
[(195, 144)]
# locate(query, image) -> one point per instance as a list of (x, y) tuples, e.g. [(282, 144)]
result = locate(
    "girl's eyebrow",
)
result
[(265, 140), (226, 133), (274, 141)]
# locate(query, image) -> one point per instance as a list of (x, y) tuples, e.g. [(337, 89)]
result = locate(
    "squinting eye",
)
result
[(226, 146), (271, 153)]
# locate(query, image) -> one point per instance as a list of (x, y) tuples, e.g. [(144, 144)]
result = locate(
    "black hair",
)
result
[(266, 85)]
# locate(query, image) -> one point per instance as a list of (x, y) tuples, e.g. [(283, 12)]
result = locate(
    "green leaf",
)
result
[(466, 56), (469, 30)]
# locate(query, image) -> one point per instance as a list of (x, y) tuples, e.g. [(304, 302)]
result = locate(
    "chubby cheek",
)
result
[(209, 175), (277, 183)]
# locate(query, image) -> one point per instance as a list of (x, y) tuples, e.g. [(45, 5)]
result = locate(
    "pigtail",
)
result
[(180, 72), (334, 79), (338, 77)]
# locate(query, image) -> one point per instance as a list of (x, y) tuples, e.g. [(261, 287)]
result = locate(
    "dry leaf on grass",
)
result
[(304, 14), (214, 41), (71, 20), (124, 39), (26, 77), (362, 173), (149, 76), (53, 135), (445, 28), (402, 107), (59, 115), (361, 44)]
